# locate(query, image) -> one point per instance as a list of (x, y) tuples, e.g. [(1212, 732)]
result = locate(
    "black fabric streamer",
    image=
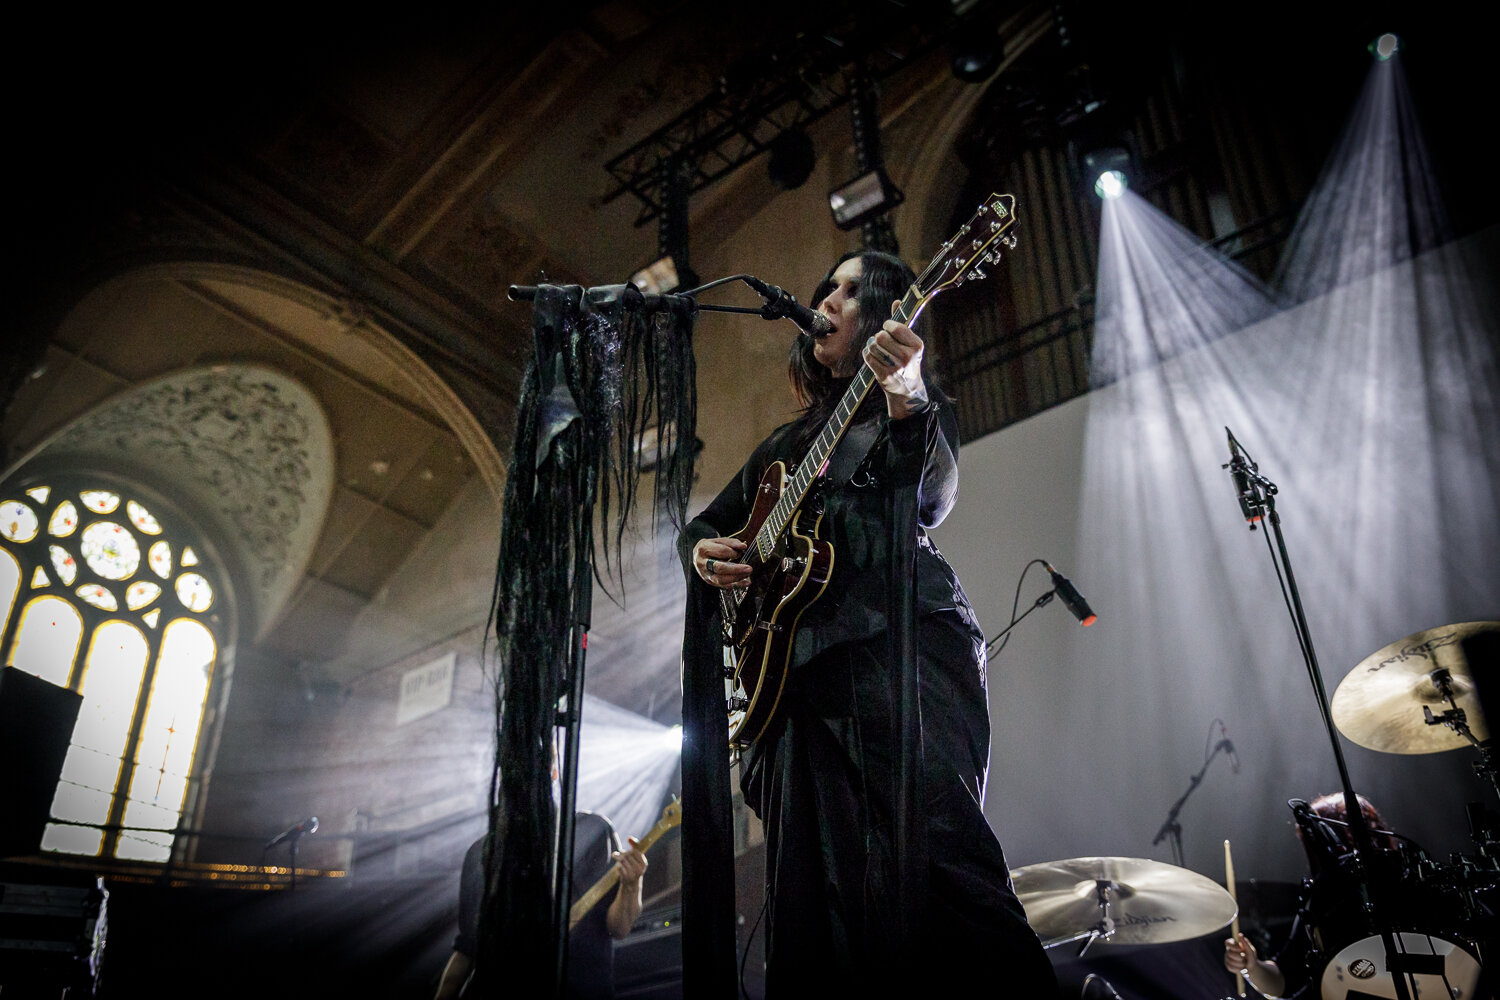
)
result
[(606, 367)]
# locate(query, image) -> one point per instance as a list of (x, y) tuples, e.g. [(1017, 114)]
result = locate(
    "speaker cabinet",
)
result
[(36, 723)]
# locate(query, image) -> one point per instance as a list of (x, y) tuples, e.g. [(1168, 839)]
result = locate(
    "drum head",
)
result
[(1439, 967)]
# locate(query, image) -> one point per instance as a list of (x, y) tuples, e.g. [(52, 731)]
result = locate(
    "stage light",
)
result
[(792, 159), (1385, 46), (974, 60), (660, 276), (1108, 169), (866, 195)]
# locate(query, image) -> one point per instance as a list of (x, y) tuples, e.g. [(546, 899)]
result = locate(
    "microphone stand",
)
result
[(1173, 828), (1259, 495), (1040, 601), (570, 716), (774, 307)]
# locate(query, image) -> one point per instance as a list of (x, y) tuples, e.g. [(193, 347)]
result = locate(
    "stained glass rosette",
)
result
[(63, 562), (195, 593), (64, 520), (141, 518), (160, 555), (98, 596), (18, 522), (110, 550), (141, 593), (100, 501)]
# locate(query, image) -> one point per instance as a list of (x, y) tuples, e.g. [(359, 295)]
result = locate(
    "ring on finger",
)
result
[(708, 567)]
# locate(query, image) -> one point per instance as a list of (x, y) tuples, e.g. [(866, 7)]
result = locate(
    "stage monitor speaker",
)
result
[(36, 725)]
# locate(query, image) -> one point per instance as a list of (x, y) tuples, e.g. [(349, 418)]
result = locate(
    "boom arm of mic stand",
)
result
[(527, 293), (1001, 635)]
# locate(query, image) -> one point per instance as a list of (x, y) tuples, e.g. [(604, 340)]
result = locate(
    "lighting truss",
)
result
[(790, 87)]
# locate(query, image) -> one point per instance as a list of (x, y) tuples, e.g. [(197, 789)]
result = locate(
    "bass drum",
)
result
[(1437, 967)]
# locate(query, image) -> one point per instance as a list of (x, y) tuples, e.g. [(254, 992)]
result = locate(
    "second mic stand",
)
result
[(1258, 495), (1172, 828)]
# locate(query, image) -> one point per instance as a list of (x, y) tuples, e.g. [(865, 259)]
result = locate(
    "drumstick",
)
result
[(1234, 925)]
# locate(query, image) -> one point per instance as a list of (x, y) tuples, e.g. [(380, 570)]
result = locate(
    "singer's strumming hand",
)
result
[(715, 560)]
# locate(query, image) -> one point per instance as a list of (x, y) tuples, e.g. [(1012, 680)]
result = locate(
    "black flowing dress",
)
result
[(822, 778)]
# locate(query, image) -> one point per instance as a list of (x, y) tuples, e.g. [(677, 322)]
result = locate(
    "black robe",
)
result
[(822, 778)]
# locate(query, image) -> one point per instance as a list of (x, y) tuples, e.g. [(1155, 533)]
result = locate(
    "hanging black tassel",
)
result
[(608, 367)]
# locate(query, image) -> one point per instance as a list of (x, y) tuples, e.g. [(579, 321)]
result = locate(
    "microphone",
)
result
[(782, 304), (1228, 748), (1071, 597), (1241, 479), (309, 825)]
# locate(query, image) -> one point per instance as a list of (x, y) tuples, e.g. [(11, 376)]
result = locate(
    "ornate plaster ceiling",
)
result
[(248, 447)]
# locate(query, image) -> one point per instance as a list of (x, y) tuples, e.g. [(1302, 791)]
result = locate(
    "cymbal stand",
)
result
[(1257, 498), (1457, 720), (1102, 929)]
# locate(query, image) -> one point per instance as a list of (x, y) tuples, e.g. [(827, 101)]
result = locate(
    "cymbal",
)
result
[(1149, 901), (1379, 704)]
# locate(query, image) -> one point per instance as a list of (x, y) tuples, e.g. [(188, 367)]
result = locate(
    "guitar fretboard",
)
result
[(838, 422)]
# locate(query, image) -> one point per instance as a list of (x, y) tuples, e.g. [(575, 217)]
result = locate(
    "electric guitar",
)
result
[(792, 565), (670, 817)]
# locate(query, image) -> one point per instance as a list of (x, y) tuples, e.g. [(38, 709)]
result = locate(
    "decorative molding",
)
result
[(248, 445)]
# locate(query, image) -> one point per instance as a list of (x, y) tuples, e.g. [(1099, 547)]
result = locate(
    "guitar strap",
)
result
[(851, 450)]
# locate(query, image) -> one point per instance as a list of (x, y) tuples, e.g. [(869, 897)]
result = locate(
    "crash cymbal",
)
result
[(1379, 704), (1150, 902)]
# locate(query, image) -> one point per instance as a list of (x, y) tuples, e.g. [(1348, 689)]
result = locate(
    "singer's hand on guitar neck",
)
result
[(895, 357), (715, 560)]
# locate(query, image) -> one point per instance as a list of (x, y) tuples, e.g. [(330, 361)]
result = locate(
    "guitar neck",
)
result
[(906, 313), (597, 891)]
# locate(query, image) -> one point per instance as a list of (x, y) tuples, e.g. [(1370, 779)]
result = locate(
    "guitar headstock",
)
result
[(977, 243)]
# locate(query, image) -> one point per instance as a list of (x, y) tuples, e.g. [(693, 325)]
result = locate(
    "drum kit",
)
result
[(1414, 696)]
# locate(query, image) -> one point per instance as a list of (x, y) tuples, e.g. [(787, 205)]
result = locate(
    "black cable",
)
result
[(1014, 604), (1209, 739)]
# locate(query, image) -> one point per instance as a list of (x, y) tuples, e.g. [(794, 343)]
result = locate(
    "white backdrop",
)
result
[(1379, 430)]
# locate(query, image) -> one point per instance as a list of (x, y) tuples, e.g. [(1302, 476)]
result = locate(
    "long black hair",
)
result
[(884, 278)]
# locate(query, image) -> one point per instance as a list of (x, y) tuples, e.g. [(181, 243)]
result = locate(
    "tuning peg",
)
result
[(978, 273), (1010, 240), (976, 244), (738, 703)]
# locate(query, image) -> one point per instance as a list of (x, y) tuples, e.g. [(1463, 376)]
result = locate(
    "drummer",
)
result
[(1288, 975)]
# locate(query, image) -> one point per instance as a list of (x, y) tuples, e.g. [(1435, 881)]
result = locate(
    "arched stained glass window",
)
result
[(94, 600), (45, 641)]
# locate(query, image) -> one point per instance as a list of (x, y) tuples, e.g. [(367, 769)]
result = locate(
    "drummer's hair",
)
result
[(1331, 806)]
